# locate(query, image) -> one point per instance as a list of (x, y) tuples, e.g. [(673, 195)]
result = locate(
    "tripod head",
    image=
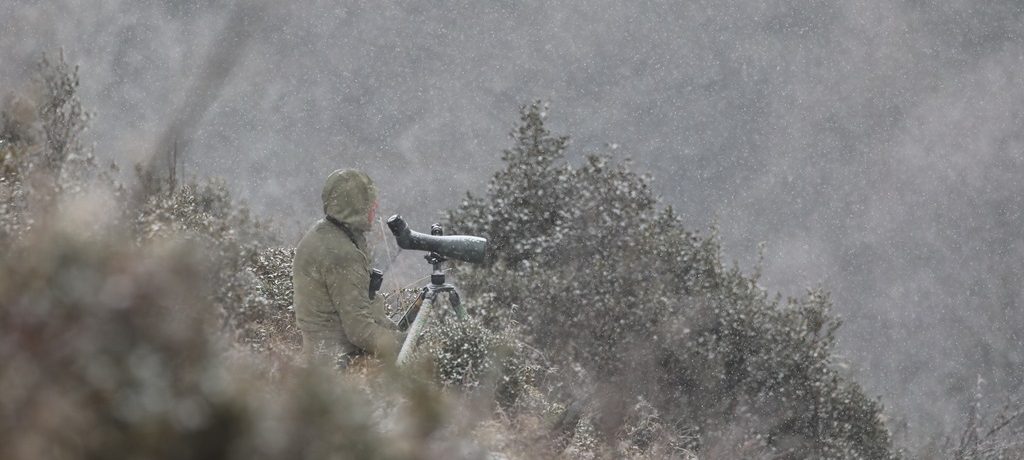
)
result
[(435, 259)]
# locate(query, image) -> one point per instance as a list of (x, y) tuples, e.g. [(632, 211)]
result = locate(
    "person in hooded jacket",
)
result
[(331, 275)]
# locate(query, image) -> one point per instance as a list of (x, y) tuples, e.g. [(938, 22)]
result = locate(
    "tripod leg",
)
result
[(416, 330), (410, 314), (456, 302)]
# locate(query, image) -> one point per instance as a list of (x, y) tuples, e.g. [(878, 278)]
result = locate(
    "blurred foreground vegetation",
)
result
[(153, 320)]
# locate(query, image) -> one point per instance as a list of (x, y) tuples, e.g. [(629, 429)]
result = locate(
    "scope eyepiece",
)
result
[(397, 224)]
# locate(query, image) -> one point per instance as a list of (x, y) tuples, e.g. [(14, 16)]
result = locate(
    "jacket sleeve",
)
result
[(347, 276)]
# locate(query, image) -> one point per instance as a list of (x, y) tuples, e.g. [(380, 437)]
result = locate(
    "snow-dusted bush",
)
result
[(609, 282), (469, 356), (42, 155), (251, 281), (268, 319), (114, 351)]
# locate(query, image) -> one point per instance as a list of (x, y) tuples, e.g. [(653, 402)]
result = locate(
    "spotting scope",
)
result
[(459, 247)]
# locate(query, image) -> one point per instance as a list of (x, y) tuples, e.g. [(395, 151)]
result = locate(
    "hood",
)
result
[(348, 195)]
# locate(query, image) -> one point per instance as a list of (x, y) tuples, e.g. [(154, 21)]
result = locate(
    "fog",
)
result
[(874, 148)]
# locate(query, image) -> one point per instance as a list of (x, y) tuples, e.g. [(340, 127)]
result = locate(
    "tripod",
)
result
[(419, 313)]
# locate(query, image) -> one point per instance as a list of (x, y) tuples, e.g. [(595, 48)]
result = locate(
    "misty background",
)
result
[(875, 148)]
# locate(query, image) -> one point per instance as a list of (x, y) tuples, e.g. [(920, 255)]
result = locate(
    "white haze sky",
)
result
[(874, 147)]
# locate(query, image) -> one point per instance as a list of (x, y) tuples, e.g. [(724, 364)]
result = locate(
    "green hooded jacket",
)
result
[(331, 275)]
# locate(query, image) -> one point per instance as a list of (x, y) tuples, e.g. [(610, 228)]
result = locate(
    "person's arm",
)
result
[(347, 275)]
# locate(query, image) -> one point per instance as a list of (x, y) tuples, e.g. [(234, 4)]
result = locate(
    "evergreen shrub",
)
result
[(602, 278)]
